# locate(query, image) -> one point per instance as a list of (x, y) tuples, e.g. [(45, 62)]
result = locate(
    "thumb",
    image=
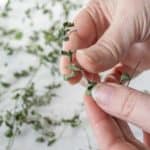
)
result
[(124, 103), (109, 49)]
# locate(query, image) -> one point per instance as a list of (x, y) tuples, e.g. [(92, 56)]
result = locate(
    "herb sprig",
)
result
[(73, 67), (66, 29)]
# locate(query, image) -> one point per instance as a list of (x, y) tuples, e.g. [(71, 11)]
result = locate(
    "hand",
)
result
[(110, 34), (113, 34), (123, 103)]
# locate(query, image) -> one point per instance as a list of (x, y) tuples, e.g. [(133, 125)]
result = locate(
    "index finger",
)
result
[(83, 35)]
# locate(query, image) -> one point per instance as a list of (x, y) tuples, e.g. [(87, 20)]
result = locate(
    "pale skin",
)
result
[(113, 34)]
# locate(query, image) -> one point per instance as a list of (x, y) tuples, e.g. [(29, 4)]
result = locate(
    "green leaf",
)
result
[(73, 67), (23, 73), (125, 77), (40, 139), (1, 120), (68, 54), (70, 76), (65, 38), (16, 96), (37, 125), (89, 88), (52, 141), (74, 122), (18, 35), (5, 84), (66, 28), (68, 24), (9, 133)]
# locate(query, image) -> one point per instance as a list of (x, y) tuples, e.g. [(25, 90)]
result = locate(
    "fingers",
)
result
[(124, 127), (146, 137), (120, 69), (108, 134), (105, 128), (82, 37), (109, 49), (124, 103)]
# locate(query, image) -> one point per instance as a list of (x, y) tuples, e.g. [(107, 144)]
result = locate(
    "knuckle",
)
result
[(129, 103), (96, 11), (111, 47)]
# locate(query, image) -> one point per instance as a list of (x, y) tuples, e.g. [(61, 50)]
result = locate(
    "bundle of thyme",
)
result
[(74, 68)]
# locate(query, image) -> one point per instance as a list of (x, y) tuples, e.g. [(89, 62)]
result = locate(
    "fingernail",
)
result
[(102, 93)]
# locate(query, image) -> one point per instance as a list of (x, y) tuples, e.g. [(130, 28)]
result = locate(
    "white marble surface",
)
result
[(74, 139)]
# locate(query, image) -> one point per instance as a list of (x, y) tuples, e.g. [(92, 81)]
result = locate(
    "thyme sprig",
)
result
[(69, 76), (73, 67), (69, 54), (66, 29), (125, 77), (90, 87)]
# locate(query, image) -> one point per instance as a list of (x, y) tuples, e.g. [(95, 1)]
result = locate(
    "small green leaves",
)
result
[(23, 73), (18, 35), (9, 133), (73, 67), (125, 77), (68, 24), (90, 86), (70, 76), (40, 139), (65, 30), (69, 54), (1, 120), (5, 84), (74, 70), (74, 122), (52, 141)]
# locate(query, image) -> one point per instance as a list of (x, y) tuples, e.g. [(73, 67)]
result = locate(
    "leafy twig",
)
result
[(125, 77)]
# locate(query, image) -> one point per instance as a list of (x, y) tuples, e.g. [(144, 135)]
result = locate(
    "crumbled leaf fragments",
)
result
[(5, 84), (89, 88), (69, 54), (74, 122), (65, 30), (1, 120), (125, 77), (18, 35), (9, 133), (74, 67), (68, 24), (40, 139), (69, 76), (23, 73), (52, 141)]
